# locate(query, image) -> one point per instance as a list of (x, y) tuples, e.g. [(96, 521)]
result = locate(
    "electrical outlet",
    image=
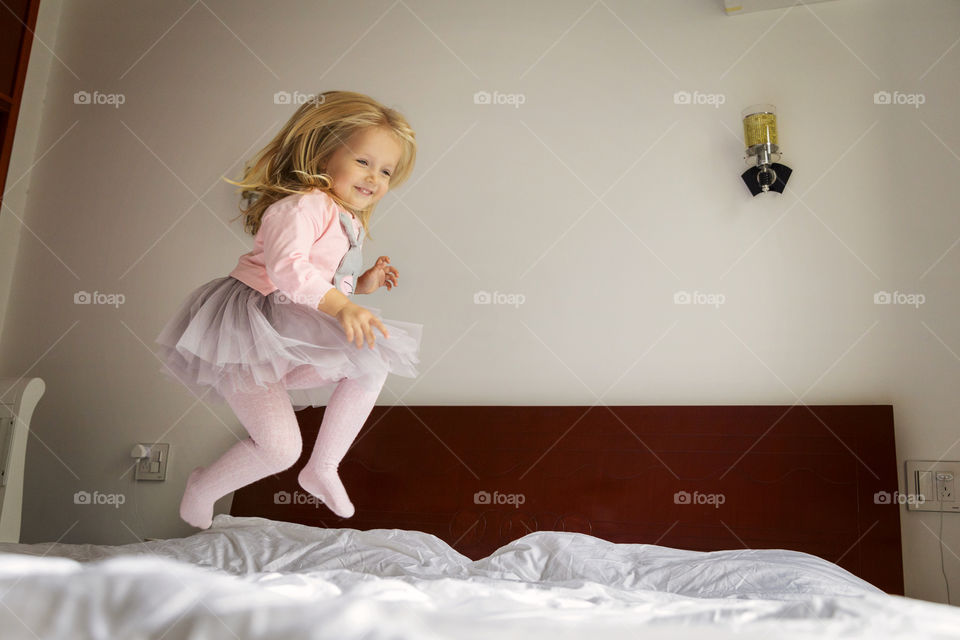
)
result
[(932, 485), (944, 486), (154, 466)]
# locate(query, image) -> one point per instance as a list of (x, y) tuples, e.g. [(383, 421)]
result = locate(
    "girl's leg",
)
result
[(275, 444), (348, 408)]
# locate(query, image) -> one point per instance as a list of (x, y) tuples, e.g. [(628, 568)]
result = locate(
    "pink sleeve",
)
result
[(288, 235)]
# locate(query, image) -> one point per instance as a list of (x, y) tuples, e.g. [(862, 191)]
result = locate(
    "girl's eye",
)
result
[(365, 162)]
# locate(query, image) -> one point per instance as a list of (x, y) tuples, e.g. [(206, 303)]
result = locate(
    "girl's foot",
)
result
[(326, 486)]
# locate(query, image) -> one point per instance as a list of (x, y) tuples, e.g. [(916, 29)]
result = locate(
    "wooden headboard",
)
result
[(691, 477)]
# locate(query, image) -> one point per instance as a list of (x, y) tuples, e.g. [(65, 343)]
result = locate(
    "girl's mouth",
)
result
[(365, 192)]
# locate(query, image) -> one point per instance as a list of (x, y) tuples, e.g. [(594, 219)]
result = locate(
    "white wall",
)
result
[(503, 199), (25, 153)]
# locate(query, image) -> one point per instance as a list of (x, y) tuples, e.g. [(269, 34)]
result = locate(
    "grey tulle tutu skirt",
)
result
[(228, 337)]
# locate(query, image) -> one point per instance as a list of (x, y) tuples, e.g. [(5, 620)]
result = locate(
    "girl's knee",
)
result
[(375, 378), (282, 454)]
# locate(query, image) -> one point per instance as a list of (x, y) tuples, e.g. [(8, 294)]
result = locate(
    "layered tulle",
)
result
[(227, 336)]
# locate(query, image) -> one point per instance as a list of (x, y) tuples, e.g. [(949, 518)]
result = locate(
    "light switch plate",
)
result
[(932, 485), (154, 466)]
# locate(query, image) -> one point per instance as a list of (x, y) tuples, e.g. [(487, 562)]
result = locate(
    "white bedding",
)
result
[(254, 578)]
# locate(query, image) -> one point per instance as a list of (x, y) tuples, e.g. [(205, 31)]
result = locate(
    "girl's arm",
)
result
[(333, 301), (288, 232)]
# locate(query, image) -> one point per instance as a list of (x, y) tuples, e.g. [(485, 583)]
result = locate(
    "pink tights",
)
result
[(275, 444)]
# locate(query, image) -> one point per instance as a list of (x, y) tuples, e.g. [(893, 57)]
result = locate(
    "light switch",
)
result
[(925, 485)]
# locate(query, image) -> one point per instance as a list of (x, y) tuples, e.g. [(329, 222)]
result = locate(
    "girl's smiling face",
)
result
[(362, 167)]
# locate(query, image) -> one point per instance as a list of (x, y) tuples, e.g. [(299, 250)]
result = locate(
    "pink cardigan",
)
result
[(298, 248)]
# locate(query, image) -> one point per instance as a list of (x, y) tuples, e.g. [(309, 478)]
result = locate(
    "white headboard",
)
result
[(18, 397)]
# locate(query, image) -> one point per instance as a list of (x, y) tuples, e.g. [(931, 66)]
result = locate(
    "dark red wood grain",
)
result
[(800, 478)]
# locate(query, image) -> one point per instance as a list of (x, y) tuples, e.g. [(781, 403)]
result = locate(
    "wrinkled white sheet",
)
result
[(254, 578)]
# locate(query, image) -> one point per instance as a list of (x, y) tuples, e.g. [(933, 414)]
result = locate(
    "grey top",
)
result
[(352, 262)]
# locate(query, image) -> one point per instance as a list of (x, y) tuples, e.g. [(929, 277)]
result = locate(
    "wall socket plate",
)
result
[(932, 485), (154, 466)]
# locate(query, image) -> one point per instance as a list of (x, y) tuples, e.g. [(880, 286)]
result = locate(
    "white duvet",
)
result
[(253, 578)]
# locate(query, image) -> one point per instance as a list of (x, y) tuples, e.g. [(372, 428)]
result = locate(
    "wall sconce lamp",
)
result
[(760, 137)]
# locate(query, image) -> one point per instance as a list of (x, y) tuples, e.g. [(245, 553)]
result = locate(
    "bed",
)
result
[(525, 522)]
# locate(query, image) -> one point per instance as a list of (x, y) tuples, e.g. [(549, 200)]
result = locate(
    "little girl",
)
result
[(282, 319)]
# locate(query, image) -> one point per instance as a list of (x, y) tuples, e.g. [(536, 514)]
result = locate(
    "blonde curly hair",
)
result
[(291, 162)]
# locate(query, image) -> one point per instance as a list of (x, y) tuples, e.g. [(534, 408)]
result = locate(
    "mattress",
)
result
[(254, 578)]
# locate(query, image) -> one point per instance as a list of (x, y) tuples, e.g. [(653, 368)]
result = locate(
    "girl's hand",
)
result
[(358, 322), (377, 276)]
